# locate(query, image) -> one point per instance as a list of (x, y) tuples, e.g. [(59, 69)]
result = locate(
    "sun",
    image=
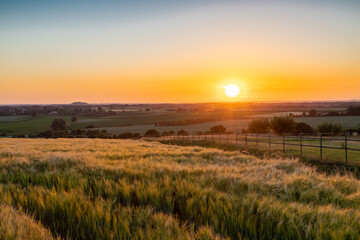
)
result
[(231, 90)]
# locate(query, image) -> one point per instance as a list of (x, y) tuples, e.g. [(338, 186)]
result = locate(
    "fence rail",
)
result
[(337, 148)]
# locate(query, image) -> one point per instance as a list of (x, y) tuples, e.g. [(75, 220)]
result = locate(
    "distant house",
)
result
[(53, 113)]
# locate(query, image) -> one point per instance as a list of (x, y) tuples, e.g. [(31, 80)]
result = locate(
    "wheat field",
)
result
[(127, 189)]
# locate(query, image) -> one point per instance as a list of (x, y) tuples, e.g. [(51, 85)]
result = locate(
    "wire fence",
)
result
[(344, 149)]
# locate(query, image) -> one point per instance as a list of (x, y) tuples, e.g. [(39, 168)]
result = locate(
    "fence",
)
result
[(341, 148)]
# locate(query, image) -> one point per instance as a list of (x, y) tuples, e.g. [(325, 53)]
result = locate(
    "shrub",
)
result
[(58, 124), (152, 133), (74, 119), (46, 134), (303, 128), (259, 125), (330, 128), (281, 125), (218, 129), (125, 135), (312, 113), (182, 132)]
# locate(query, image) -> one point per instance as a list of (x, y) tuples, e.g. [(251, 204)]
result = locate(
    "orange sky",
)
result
[(273, 51)]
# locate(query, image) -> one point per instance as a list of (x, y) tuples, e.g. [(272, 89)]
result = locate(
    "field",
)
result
[(140, 122), (127, 189), (333, 148), (26, 124)]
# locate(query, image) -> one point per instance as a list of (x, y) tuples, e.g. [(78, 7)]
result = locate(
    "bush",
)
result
[(58, 124), (218, 129), (182, 132), (330, 128), (152, 133), (281, 125), (313, 113), (46, 134), (125, 135), (259, 125), (74, 119), (304, 128)]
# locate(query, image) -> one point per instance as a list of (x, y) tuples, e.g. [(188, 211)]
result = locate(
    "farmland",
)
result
[(140, 122), (127, 189)]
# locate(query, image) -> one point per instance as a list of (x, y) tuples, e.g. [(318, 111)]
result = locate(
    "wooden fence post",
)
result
[(246, 142), (321, 147), (301, 146), (227, 138), (219, 137), (257, 141), (284, 150), (269, 142), (346, 153), (236, 138)]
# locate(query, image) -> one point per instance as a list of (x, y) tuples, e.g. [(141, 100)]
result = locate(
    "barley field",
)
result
[(127, 189)]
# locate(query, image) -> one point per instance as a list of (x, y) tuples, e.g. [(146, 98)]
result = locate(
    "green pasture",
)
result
[(140, 122), (27, 124)]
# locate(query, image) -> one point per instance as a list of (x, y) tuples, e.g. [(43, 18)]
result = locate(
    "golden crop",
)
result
[(127, 189)]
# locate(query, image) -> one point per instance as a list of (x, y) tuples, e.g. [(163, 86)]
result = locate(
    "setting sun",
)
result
[(231, 90)]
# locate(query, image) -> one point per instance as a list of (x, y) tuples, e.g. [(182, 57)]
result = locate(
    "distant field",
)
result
[(344, 121), (126, 189), (139, 122), (27, 124), (233, 125)]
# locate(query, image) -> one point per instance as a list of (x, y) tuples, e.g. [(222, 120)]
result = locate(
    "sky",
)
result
[(178, 51)]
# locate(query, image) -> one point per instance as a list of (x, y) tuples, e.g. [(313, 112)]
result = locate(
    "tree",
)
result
[(182, 132), (330, 128), (312, 113), (147, 110), (281, 125), (353, 111), (74, 119), (218, 129), (304, 128), (259, 125), (58, 124), (152, 133)]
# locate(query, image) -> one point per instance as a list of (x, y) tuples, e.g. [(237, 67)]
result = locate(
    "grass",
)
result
[(276, 147), (140, 122), (16, 225), (29, 125), (126, 189)]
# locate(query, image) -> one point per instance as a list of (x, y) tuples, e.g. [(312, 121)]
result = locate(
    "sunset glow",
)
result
[(177, 52)]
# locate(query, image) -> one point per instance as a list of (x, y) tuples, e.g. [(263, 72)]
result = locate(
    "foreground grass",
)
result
[(16, 225), (118, 189)]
